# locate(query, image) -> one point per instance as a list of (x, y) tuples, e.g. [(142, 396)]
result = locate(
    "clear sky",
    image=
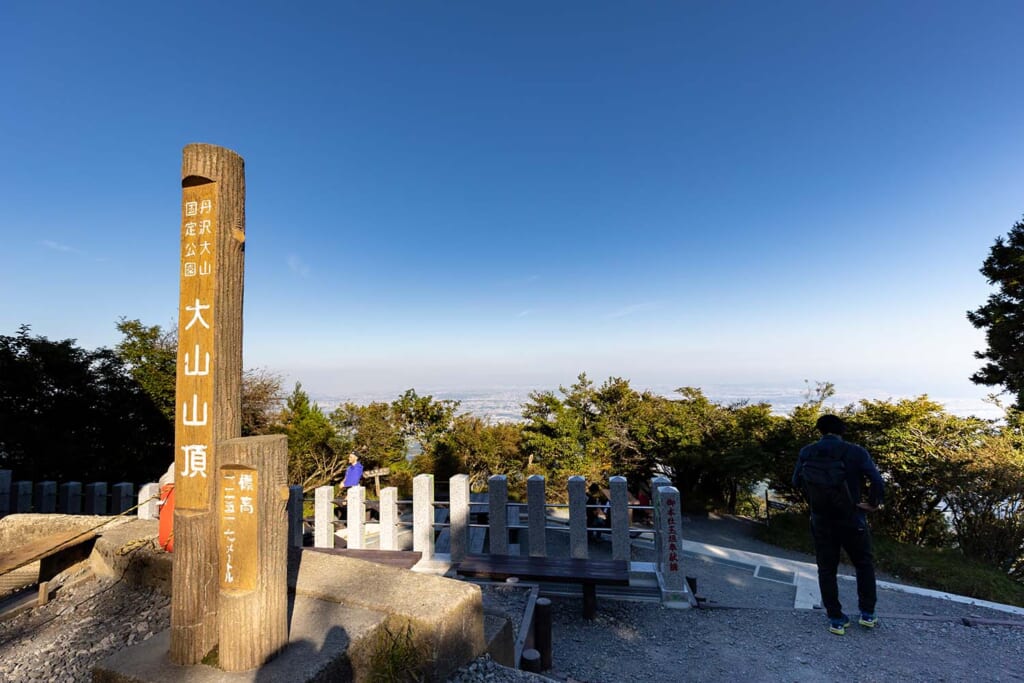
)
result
[(456, 194)]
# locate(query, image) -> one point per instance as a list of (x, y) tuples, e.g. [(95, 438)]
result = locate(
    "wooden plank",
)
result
[(43, 548), (403, 559), (611, 572)]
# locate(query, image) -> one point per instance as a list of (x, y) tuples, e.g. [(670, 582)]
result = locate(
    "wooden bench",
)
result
[(589, 573), (55, 553)]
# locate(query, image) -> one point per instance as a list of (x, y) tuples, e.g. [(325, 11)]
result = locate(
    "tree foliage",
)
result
[(71, 414), (68, 413), (314, 451), (1002, 316), (151, 355)]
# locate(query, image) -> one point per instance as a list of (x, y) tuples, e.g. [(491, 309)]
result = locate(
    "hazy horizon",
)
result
[(504, 402)]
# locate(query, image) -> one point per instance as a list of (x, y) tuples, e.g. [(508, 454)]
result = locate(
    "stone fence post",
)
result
[(22, 494), (46, 497), (619, 519), (323, 517), (389, 518), (497, 504), (537, 514), (578, 518), (149, 501), (355, 500), (656, 484), (669, 563), (423, 515), (295, 516), (96, 498), (122, 497), (458, 515), (69, 498)]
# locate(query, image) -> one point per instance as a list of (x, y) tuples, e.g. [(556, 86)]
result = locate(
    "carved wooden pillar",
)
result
[(209, 379)]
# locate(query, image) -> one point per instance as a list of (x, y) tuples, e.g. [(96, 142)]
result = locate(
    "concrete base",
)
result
[(321, 633)]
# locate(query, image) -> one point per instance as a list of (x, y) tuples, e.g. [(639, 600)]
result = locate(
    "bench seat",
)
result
[(589, 573)]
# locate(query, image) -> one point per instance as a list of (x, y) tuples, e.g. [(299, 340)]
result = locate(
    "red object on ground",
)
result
[(166, 534)]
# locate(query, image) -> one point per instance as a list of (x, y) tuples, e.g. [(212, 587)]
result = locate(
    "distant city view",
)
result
[(504, 404)]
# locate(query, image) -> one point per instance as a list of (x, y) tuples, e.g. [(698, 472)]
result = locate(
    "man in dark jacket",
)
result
[(849, 531)]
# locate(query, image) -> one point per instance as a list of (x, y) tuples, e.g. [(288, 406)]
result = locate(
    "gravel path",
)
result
[(89, 620), (761, 637), (764, 638)]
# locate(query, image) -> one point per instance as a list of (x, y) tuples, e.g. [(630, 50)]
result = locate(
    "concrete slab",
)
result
[(320, 635), (444, 615)]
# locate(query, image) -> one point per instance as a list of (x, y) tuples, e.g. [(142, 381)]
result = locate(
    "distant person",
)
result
[(353, 475), (831, 473)]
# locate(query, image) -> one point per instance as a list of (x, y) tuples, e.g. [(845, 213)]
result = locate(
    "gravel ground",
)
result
[(760, 637), (86, 622)]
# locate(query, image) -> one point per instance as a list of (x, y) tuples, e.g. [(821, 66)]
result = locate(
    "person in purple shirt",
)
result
[(353, 473)]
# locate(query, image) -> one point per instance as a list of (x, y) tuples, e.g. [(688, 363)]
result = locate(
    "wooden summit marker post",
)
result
[(209, 380)]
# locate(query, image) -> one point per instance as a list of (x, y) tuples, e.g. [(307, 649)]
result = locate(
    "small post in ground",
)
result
[(253, 534), (542, 631)]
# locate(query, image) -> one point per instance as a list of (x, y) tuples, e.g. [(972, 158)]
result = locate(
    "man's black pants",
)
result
[(829, 537)]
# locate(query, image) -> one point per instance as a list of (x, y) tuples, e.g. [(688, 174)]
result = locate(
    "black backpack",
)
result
[(825, 485)]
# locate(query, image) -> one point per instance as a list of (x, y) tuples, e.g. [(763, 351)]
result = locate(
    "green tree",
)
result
[(559, 435), (985, 499), (421, 419), (371, 431), (261, 401), (914, 442), (791, 434), (481, 449), (151, 355), (713, 453), (1002, 316), (315, 455), (67, 413)]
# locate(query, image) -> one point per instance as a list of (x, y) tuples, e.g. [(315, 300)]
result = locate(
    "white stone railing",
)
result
[(503, 517)]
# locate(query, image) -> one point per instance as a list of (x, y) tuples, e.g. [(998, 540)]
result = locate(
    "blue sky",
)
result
[(471, 194)]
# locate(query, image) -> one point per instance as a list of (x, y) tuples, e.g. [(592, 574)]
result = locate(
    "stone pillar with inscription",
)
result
[(253, 534), (209, 378), (669, 562)]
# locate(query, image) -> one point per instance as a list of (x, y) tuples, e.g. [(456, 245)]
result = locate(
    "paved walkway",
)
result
[(804, 576), (734, 568)]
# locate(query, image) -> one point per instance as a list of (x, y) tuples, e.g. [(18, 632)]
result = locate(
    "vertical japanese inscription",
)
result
[(193, 425), (238, 528), (672, 540)]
